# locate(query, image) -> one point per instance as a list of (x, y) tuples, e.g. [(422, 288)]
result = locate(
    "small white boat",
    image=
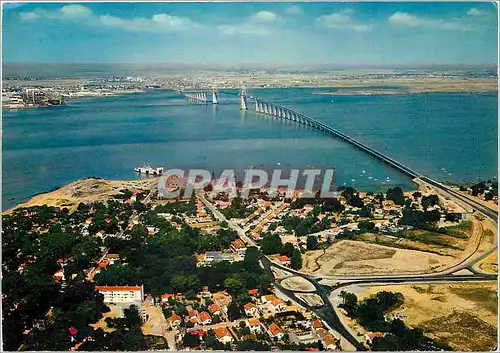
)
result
[(148, 170)]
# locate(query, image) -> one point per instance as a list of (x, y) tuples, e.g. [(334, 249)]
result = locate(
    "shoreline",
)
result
[(82, 96), (62, 195)]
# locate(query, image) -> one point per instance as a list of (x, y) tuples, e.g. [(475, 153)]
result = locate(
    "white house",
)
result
[(121, 294), (254, 325), (251, 310)]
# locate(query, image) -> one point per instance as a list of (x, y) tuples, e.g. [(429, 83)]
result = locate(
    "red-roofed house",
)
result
[(194, 320), (285, 260), (112, 258), (253, 292), (254, 325), (214, 309), (275, 331), (165, 297), (329, 343), (205, 318), (317, 324), (223, 335), (251, 309), (371, 335), (174, 320), (192, 313), (59, 275), (239, 247), (103, 264)]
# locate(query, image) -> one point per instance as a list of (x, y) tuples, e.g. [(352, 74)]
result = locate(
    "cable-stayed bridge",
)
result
[(284, 113)]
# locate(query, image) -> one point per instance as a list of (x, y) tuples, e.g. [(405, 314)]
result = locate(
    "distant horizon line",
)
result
[(255, 64)]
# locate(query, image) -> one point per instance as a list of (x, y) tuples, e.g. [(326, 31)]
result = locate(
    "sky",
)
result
[(230, 33)]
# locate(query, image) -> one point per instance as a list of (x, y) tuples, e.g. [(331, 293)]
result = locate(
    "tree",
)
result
[(430, 200), (356, 201), (234, 285), (296, 260), (250, 345), (132, 318), (233, 311), (348, 193), (287, 249), (396, 195), (398, 327), (365, 212), (366, 226), (271, 244), (190, 340), (252, 256), (349, 301), (312, 242), (332, 205), (387, 343)]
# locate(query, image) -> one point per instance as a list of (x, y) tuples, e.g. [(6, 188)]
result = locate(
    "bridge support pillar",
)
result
[(243, 99), (215, 98)]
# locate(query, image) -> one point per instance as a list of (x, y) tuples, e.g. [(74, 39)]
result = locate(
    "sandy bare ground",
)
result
[(365, 257), (490, 263), (87, 190), (114, 313), (156, 323), (455, 313), (349, 257), (297, 283)]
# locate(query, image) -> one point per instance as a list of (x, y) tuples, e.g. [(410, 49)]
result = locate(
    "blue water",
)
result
[(451, 137)]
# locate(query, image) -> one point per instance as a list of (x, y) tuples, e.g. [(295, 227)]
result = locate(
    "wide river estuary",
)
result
[(449, 137)]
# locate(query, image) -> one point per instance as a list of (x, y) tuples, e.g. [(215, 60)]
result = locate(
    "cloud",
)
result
[(342, 20), (293, 10), (476, 12), (75, 11), (244, 29), (29, 16), (259, 24), (265, 16), (408, 20), (158, 23)]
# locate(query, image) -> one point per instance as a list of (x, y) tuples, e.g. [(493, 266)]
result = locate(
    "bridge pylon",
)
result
[(243, 99), (215, 98)]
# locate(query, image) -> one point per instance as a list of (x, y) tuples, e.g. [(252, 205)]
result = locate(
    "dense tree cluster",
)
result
[(303, 226), (165, 263), (39, 310), (396, 194), (238, 209), (371, 314), (127, 335), (420, 219), (34, 239), (352, 197)]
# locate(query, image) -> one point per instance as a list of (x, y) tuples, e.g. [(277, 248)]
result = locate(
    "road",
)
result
[(329, 312), (232, 225)]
